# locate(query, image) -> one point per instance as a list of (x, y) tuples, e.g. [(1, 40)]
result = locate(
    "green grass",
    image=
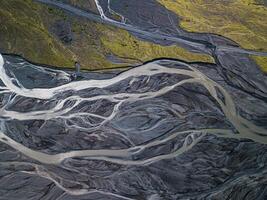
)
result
[(22, 32), (243, 21), (123, 44), (26, 30), (261, 61)]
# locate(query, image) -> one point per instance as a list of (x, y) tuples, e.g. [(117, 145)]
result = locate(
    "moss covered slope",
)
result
[(32, 30), (22, 32), (243, 21)]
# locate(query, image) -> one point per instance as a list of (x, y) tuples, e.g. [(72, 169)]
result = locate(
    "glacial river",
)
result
[(138, 117), (162, 130)]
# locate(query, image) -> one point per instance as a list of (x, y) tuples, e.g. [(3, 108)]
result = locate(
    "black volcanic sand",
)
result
[(214, 168)]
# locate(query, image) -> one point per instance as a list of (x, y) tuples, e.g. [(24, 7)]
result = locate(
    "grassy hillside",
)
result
[(121, 43), (244, 21), (28, 29), (22, 32), (83, 4)]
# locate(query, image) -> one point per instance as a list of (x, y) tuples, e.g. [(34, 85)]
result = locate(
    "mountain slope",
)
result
[(49, 36), (243, 21)]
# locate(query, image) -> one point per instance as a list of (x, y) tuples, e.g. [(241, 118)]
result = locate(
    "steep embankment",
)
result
[(240, 20), (48, 35)]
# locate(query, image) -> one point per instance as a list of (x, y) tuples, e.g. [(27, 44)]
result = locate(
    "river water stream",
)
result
[(163, 130)]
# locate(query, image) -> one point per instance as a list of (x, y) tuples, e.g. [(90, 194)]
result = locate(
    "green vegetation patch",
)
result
[(261, 61), (243, 21), (123, 44), (22, 32), (28, 29)]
